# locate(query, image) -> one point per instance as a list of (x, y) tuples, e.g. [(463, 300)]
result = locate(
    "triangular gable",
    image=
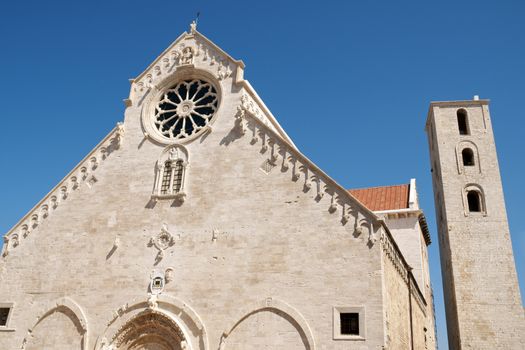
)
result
[(84, 174), (251, 113), (205, 55)]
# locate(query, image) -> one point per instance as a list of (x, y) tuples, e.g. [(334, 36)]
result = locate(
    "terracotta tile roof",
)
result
[(383, 198)]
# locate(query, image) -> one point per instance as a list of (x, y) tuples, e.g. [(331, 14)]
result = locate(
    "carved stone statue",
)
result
[(152, 302), (187, 56)]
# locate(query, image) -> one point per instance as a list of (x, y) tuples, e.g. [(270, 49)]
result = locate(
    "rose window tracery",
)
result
[(185, 109)]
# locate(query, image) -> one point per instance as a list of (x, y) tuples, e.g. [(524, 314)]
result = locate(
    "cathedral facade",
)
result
[(198, 224)]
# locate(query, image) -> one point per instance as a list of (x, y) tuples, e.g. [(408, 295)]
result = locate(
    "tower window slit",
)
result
[(474, 201), (468, 157), (463, 122)]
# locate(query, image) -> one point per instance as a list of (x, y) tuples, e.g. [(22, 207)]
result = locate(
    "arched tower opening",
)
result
[(463, 122)]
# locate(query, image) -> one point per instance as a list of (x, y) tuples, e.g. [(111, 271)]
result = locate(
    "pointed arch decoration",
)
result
[(269, 304), (73, 308), (171, 313)]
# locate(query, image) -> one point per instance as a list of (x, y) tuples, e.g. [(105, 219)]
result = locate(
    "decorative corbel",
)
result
[(264, 146), (16, 240), (346, 216), (157, 71), (54, 202), (34, 221), (285, 164), (307, 183), (63, 192), (320, 192), (74, 182), (333, 204), (6, 247), (24, 230), (83, 173), (44, 211), (240, 123), (103, 153), (94, 163), (273, 153), (149, 81), (295, 173), (255, 138), (120, 134)]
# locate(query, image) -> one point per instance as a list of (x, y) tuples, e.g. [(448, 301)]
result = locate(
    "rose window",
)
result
[(185, 109)]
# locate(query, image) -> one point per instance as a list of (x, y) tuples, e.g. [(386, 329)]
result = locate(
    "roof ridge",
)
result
[(368, 188)]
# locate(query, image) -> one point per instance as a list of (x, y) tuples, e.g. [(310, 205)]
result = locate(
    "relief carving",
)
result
[(162, 241), (223, 70), (169, 274), (186, 56), (34, 221)]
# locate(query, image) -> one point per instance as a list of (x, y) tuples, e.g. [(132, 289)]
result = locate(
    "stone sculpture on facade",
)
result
[(162, 241)]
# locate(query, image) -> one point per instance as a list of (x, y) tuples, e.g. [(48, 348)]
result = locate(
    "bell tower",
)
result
[(482, 296)]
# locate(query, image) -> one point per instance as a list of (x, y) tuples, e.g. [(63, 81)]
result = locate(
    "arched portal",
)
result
[(149, 330)]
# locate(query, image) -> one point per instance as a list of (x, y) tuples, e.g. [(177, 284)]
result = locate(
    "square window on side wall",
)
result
[(6, 311), (349, 323)]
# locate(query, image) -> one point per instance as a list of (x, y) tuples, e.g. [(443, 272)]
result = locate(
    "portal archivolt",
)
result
[(149, 330)]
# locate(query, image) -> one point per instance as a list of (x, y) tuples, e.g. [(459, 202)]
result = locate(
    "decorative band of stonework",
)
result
[(277, 153), (83, 173), (394, 255), (417, 296), (248, 105), (191, 50)]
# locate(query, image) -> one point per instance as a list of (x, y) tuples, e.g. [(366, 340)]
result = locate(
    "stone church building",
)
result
[(197, 224)]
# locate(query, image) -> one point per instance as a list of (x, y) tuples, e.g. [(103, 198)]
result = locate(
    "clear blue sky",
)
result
[(349, 81)]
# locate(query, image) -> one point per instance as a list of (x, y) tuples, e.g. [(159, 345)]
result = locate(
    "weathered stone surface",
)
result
[(254, 248), (482, 297)]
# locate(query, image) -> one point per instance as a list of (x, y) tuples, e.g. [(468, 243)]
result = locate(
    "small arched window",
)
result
[(463, 122), (468, 157), (474, 201)]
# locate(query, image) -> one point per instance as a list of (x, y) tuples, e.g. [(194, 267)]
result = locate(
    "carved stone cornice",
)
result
[(393, 253), (189, 50), (84, 172), (276, 150)]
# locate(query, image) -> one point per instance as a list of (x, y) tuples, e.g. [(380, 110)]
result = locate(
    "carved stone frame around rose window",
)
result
[(187, 72)]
